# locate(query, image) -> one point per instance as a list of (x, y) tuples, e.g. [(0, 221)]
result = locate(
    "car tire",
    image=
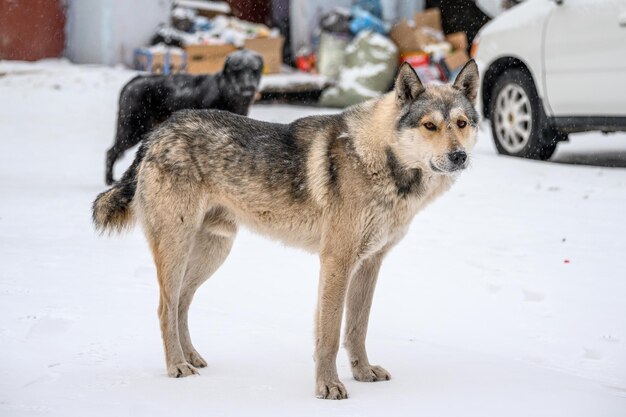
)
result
[(518, 123)]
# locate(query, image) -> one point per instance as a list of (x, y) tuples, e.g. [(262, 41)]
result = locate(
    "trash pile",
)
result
[(353, 50), (207, 41), (435, 56), (189, 28), (361, 52), (353, 54), (160, 59)]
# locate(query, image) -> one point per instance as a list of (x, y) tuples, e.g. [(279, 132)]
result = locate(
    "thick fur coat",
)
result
[(344, 186)]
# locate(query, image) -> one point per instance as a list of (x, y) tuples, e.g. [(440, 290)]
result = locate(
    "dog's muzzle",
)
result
[(452, 162), (247, 92)]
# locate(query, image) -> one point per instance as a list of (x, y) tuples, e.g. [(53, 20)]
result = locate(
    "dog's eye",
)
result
[(461, 124), (430, 126)]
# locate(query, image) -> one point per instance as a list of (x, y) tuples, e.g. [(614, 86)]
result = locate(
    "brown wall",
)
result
[(31, 29)]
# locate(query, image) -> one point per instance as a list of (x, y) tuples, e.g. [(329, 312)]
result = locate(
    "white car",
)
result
[(552, 67)]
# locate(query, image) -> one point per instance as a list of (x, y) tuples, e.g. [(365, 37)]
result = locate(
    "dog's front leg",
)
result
[(335, 272), (358, 304)]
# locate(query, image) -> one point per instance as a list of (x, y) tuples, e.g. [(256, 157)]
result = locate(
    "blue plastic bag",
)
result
[(364, 20), (373, 6)]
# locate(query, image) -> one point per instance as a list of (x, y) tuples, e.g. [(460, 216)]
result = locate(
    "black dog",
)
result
[(147, 100)]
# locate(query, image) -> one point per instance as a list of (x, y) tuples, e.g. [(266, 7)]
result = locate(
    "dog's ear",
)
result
[(408, 85), (259, 59), (467, 81), (227, 63)]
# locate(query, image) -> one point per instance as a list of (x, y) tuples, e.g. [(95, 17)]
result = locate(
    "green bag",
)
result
[(370, 64)]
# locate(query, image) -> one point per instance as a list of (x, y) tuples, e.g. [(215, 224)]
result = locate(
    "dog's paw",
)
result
[(370, 373), (181, 370), (331, 390), (196, 360)]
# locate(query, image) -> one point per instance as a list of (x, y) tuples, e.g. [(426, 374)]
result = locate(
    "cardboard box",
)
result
[(458, 40), (271, 49), (410, 38), (413, 39), (428, 18), (160, 62), (456, 60), (208, 59)]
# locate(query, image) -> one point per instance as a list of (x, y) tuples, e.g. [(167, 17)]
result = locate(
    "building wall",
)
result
[(31, 29), (107, 31)]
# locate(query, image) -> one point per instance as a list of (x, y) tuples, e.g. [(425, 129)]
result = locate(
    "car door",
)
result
[(585, 58)]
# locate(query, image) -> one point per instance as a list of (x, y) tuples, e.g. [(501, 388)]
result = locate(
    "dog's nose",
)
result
[(457, 157)]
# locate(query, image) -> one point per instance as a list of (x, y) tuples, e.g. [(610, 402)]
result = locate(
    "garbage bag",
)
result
[(370, 65), (331, 55)]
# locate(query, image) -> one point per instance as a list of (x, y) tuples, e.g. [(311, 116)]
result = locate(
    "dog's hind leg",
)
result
[(171, 217), (129, 132), (171, 252), (211, 247), (358, 304), (112, 155)]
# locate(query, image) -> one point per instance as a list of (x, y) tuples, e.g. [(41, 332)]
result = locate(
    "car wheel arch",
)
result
[(495, 70)]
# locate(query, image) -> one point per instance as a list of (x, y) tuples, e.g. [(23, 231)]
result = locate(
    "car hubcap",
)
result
[(512, 118)]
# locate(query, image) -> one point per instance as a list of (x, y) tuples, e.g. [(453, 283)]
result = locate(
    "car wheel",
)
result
[(518, 122)]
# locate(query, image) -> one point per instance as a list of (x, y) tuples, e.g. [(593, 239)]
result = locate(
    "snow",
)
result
[(477, 312), (163, 48), (183, 13), (351, 78), (373, 39), (292, 81), (214, 6)]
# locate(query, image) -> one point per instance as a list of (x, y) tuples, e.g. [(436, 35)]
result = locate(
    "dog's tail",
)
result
[(112, 209)]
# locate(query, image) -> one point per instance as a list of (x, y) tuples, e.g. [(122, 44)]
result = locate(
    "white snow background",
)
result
[(477, 312)]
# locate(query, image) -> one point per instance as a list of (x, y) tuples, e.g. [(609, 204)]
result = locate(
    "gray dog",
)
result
[(345, 186), (147, 100)]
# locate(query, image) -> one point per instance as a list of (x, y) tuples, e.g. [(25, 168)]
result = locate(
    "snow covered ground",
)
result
[(507, 297)]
